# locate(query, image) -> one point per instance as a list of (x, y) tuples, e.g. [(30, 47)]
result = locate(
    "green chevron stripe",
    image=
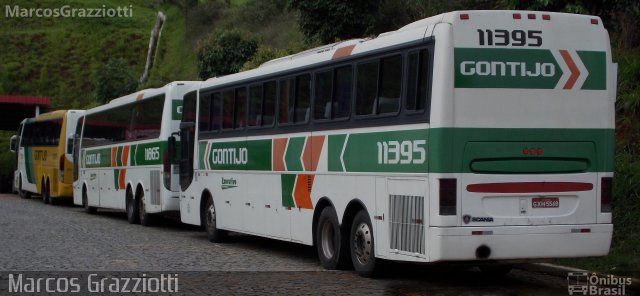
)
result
[(288, 181), (335, 142), (293, 154)]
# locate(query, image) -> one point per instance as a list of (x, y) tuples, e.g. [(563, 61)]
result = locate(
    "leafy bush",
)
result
[(114, 79), (264, 54), (224, 53), (332, 20)]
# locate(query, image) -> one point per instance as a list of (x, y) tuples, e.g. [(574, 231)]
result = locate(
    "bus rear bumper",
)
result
[(519, 242)]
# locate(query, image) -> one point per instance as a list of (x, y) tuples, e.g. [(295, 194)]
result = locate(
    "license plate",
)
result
[(545, 202)]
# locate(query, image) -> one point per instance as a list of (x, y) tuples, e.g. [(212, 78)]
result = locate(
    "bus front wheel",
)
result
[(23, 194), (332, 248), (214, 234), (145, 218), (85, 203), (362, 246)]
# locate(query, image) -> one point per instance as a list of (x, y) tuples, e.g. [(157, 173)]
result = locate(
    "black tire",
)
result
[(85, 203), (331, 244), (132, 209), (45, 193), (496, 270), (144, 218), (22, 193), (52, 200), (214, 234), (361, 244)]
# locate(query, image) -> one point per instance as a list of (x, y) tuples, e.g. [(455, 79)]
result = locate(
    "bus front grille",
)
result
[(406, 221)]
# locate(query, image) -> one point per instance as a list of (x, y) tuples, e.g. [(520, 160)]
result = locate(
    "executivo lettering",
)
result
[(228, 183)]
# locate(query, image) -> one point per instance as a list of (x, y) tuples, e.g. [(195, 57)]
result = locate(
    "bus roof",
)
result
[(415, 31), (145, 93), (58, 114)]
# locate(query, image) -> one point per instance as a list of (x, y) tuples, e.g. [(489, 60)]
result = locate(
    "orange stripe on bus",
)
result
[(311, 154), (343, 52), (279, 145), (121, 177), (114, 150), (302, 191), (125, 155)]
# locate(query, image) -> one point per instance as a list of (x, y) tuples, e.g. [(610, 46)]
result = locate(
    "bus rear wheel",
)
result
[(331, 246), (214, 234), (362, 246), (45, 193), (132, 209), (144, 217)]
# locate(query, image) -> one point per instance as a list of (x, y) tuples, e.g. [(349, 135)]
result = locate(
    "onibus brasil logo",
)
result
[(581, 283)]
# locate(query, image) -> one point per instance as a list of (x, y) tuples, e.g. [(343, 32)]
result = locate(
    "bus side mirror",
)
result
[(171, 149), (13, 143)]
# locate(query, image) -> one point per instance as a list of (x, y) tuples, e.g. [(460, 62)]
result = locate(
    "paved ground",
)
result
[(63, 241)]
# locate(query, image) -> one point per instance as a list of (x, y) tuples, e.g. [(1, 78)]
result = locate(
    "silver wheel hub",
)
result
[(362, 243), (211, 217), (327, 240)]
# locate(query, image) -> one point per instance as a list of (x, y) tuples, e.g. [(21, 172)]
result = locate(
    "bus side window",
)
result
[(285, 101), (269, 107), (227, 108), (343, 89), (255, 105), (204, 115), (303, 98), (390, 85), (216, 111), (367, 87), (417, 80), (322, 101), (240, 110)]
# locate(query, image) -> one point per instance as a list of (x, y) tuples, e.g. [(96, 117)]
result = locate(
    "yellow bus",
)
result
[(45, 155)]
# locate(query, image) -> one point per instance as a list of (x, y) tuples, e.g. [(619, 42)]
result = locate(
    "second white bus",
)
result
[(122, 154)]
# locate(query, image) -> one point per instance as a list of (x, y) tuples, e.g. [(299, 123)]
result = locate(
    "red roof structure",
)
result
[(25, 100), (13, 109)]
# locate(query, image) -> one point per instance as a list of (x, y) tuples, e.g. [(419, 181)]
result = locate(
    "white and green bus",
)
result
[(123, 163), (479, 136)]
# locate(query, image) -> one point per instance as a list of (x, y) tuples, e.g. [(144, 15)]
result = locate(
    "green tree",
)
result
[(114, 79), (224, 53), (332, 20)]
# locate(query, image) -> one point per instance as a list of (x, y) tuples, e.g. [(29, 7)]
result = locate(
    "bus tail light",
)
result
[(448, 194), (61, 168), (606, 195)]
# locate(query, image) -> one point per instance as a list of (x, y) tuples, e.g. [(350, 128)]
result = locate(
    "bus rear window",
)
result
[(42, 133)]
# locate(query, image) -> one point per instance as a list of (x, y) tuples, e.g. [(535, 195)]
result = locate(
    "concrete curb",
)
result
[(562, 271)]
